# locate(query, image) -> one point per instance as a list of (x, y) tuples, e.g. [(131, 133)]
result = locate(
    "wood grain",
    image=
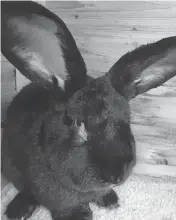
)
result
[(105, 30), (8, 85)]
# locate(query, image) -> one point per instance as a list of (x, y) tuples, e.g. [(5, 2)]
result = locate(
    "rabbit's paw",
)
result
[(109, 201), (20, 208), (81, 213)]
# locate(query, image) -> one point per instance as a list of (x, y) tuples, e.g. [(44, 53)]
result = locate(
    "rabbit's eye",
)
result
[(78, 122), (67, 120)]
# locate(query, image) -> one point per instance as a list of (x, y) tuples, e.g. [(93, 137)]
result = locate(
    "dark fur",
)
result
[(22, 205), (59, 173), (43, 152)]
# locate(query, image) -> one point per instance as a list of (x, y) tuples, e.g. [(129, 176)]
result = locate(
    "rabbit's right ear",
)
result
[(40, 46), (147, 67)]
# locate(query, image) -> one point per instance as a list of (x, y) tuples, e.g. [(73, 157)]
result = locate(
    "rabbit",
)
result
[(67, 137)]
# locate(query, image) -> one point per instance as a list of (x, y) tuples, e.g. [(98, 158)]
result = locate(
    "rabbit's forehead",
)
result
[(98, 101)]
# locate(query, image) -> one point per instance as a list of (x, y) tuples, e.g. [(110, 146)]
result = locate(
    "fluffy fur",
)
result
[(65, 148)]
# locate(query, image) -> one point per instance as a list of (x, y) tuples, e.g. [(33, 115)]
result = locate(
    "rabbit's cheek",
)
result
[(128, 167)]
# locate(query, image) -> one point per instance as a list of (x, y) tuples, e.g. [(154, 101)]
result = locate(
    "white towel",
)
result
[(140, 199)]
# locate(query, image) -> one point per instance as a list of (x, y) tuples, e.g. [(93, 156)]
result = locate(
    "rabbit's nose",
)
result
[(118, 179), (115, 179)]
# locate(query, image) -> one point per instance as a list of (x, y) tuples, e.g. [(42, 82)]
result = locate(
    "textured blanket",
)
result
[(140, 199)]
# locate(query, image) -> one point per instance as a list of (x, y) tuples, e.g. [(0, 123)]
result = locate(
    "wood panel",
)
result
[(8, 85), (105, 30)]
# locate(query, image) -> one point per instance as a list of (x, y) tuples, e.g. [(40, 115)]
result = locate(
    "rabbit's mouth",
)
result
[(118, 178), (93, 185)]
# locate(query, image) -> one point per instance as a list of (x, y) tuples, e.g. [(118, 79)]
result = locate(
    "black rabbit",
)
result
[(67, 137)]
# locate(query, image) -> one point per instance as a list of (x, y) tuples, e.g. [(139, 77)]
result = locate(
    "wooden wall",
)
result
[(104, 31), (7, 84)]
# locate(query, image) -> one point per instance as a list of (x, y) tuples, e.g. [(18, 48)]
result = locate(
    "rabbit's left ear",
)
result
[(145, 68), (38, 43)]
